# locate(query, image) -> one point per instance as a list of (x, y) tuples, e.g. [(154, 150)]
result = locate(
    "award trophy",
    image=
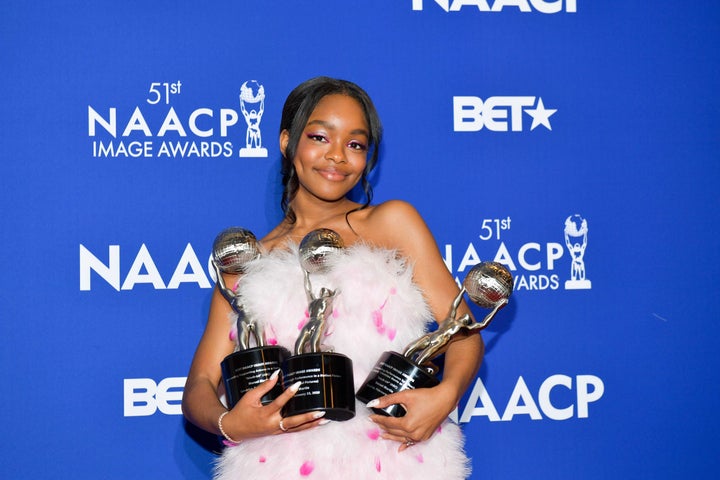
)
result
[(489, 285), (248, 366), (326, 376)]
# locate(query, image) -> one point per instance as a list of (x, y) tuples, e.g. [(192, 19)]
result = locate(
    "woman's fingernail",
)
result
[(323, 421), (295, 387), (319, 414), (275, 374), (373, 403)]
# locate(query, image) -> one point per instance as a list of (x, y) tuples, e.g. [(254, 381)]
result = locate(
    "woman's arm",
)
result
[(248, 418), (398, 225), (200, 403)]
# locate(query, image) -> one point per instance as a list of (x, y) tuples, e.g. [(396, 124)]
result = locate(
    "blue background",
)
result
[(633, 149)]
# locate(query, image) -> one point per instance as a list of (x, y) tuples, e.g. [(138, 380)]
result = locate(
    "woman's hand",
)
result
[(249, 418), (427, 409)]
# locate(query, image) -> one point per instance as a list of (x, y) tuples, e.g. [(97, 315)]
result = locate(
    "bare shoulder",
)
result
[(398, 225), (395, 214), (394, 224)]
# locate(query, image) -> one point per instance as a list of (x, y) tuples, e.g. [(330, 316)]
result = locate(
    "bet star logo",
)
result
[(540, 115), (499, 114)]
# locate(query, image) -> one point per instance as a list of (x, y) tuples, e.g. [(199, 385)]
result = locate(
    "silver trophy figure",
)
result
[(326, 376), (233, 248), (248, 366), (315, 250), (311, 334), (489, 285)]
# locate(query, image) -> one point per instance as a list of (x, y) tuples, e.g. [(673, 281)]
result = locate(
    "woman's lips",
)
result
[(332, 174)]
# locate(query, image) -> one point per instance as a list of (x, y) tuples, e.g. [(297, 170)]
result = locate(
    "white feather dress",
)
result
[(378, 308)]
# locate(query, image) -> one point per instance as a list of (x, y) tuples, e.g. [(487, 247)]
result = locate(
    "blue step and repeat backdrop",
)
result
[(574, 141)]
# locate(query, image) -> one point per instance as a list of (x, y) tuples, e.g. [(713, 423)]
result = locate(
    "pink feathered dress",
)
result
[(378, 308)]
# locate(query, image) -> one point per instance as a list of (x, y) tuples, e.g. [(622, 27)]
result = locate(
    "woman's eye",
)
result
[(316, 137), (357, 146)]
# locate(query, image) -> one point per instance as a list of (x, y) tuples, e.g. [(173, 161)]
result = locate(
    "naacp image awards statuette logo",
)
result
[(252, 106), (576, 230)]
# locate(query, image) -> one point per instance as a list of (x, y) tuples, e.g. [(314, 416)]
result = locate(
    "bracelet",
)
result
[(220, 427)]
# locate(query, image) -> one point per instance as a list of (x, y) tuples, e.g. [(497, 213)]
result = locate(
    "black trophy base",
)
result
[(394, 373), (246, 369), (327, 385)]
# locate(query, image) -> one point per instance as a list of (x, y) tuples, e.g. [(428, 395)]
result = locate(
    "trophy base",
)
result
[(327, 385), (394, 373), (246, 369)]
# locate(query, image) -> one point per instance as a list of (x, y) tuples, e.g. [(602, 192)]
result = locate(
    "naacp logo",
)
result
[(523, 6), (536, 264), (499, 114), (252, 106), (163, 125), (576, 233)]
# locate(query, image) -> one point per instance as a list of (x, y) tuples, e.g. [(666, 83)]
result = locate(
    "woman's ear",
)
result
[(284, 139)]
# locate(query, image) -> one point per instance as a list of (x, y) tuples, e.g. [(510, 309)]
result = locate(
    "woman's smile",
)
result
[(332, 174)]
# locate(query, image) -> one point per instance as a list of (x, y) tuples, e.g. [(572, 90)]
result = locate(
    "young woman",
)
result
[(392, 280)]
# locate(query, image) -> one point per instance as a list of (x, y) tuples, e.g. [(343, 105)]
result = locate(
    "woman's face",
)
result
[(332, 151)]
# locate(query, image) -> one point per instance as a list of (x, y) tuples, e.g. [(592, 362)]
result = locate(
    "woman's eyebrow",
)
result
[(331, 126)]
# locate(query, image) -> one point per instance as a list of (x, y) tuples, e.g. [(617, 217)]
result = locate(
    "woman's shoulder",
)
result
[(394, 211), (391, 223), (394, 205)]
